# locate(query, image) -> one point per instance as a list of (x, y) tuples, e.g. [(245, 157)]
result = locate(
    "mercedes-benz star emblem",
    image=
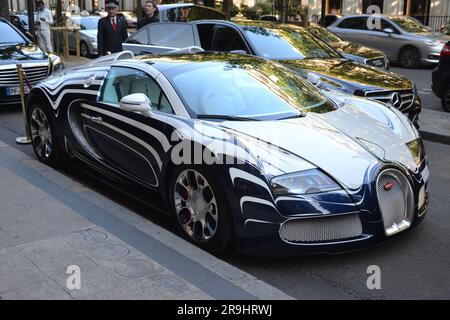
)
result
[(396, 100)]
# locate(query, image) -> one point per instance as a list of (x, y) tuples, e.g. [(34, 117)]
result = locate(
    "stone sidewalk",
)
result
[(49, 222)]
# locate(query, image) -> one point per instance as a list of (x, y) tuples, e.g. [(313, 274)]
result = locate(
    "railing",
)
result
[(61, 34), (437, 22)]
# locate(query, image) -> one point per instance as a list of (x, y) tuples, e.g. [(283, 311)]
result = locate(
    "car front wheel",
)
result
[(84, 50), (410, 58), (43, 135), (199, 208)]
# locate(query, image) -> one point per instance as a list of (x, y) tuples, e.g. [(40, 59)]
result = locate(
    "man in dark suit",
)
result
[(112, 30), (151, 14)]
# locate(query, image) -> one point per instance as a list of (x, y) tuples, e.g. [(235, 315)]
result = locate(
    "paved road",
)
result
[(422, 79), (415, 266)]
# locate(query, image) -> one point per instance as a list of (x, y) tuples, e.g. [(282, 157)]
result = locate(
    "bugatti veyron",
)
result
[(239, 150)]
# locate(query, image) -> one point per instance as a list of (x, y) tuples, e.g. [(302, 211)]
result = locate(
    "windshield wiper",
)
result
[(295, 116), (225, 117)]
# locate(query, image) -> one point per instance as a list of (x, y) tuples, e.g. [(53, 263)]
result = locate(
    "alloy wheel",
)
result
[(196, 206), (84, 51), (41, 135)]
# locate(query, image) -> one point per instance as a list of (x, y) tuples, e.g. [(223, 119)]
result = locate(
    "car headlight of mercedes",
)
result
[(303, 182), (56, 63)]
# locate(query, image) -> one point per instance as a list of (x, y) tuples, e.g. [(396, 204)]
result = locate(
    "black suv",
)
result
[(441, 78)]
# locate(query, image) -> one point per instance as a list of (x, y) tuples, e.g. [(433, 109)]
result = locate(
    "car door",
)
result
[(161, 37), (353, 29), (127, 144)]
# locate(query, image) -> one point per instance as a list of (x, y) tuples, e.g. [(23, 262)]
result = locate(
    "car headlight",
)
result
[(303, 182), (56, 62), (433, 43), (92, 39)]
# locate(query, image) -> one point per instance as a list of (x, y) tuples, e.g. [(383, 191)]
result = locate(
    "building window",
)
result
[(368, 3), (335, 7)]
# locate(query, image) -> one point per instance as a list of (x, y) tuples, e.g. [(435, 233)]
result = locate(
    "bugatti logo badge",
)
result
[(388, 186), (396, 100)]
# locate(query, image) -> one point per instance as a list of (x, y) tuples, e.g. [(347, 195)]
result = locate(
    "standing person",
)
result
[(150, 14), (112, 30), (43, 21)]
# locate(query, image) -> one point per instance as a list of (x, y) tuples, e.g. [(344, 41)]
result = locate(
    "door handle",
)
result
[(97, 120)]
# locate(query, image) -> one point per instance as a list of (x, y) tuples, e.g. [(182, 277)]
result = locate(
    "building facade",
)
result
[(430, 12)]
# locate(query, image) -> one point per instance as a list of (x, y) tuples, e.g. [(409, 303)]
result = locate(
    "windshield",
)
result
[(246, 88), (9, 35), (324, 34), (288, 44), (410, 25), (85, 23)]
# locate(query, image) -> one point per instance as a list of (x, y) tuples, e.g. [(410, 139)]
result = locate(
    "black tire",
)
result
[(410, 58), (47, 149), (445, 99), (84, 50), (223, 239)]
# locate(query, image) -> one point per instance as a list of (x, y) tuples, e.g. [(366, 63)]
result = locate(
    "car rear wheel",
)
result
[(410, 57), (43, 138), (84, 50), (446, 99), (199, 208)]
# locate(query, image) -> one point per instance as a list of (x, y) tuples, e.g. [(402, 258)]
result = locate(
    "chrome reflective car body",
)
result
[(289, 44), (299, 170), (15, 49)]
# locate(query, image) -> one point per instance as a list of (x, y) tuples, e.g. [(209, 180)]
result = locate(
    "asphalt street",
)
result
[(416, 266), (422, 79)]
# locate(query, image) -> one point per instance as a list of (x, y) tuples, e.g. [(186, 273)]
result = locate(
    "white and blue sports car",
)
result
[(239, 150)]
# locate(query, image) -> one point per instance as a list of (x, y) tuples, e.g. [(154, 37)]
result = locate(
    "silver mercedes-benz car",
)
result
[(403, 39), (88, 34)]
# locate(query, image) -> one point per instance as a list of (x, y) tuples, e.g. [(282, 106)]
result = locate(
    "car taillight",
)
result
[(445, 51)]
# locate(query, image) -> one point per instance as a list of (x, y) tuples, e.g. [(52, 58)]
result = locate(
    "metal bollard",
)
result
[(27, 138)]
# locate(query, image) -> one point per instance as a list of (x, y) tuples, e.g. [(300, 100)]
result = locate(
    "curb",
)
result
[(153, 241), (435, 137)]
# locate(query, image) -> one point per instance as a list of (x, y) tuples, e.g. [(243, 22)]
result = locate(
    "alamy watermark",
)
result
[(374, 280), (74, 278)]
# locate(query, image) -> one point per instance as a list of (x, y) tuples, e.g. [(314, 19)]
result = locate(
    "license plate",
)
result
[(377, 63), (15, 91)]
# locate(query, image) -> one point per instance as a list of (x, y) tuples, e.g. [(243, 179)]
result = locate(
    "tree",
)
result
[(4, 11), (226, 7)]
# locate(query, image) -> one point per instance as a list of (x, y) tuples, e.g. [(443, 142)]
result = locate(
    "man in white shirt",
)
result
[(44, 20)]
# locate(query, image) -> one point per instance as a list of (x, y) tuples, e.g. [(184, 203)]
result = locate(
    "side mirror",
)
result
[(137, 102), (389, 31)]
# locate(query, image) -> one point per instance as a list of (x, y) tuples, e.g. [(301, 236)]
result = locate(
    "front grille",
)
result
[(396, 201), (402, 100), (10, 78), (321, 229), (377, 62)]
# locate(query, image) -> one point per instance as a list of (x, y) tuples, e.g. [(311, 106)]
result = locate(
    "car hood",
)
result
[(357, 50), (27, 52), (433, 36), (335, 142), (89, 33), (353, 75)]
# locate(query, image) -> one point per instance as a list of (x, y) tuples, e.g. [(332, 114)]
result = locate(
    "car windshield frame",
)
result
[(10, 35), (278, 93), (78, 21), (324, 34), (269, 42), (409, 24)]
